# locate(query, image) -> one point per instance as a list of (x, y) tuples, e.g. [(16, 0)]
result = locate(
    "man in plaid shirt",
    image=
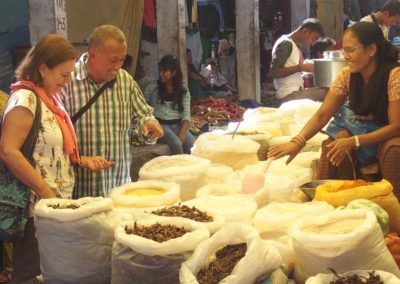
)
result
[(103, 130)]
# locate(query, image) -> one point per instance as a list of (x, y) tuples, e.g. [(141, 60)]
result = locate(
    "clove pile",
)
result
[(356, 279), (69, 206), (185, 212), (225, 260), (156, 232)]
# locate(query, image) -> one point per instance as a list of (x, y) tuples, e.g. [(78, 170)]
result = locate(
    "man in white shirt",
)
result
[(388, 16), (288, 63)]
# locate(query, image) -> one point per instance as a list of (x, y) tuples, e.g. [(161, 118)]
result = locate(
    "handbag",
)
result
[(14, 195)]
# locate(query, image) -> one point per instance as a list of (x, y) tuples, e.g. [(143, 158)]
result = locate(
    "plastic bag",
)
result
[(259, 260), (235, 208), (222, 149), (140, 260), (341, 239), (170, 195), (75, 244), (186, 170), (381, 215), (341, 192), (274, 220), (321, 278)]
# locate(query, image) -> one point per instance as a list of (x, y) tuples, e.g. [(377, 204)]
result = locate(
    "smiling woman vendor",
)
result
[(364, 99), (171, 102)]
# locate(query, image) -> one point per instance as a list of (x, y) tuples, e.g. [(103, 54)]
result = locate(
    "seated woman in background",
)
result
[(171, 102), (371, 86)]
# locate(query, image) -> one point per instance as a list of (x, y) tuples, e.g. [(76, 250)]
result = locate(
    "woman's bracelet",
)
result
[(357, 141), (299, 140)]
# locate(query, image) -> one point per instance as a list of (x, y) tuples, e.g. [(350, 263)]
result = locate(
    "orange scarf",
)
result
[(54, 104)]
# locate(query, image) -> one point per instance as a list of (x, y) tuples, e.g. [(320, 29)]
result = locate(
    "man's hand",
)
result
[(96, 163), (308, 67), (152, 129)]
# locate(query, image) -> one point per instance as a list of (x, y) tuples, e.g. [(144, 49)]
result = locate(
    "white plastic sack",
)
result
[(321, 278), (344, 240), (273, 221), (259, 259), (139, 260), (305, 159), (75, 244), (228, 189), (222, 149), (285, 249), (234, 208), (121, 199), (217, 173), (188, 171)]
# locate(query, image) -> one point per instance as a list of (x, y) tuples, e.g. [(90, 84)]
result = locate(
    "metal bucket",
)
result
[(326, 70)]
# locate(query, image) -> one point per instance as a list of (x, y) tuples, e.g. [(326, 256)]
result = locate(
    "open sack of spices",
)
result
[(343, 240), (234, 254), (188, 171), (222, 149), (356, 276), (152, 250), (211, 221), (75, 239), (144, 194)]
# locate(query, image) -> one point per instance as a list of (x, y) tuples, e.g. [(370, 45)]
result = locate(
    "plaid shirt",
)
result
[(103, 130)]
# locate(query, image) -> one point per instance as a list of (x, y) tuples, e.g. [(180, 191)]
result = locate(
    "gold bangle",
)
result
[(357, 141)]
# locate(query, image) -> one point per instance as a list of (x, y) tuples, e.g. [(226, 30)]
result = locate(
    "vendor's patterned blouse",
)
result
[(52, 163), (341, 84)]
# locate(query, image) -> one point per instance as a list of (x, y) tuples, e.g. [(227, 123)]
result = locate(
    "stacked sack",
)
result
[(188, 171), (75, 239), (258, 261), (343, 240), (145, 259)]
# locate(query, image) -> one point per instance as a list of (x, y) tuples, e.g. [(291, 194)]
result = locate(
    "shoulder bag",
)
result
[(14, 195)]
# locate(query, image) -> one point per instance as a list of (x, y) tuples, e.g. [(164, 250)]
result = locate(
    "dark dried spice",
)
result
[(156, 232), (69, 206), (225, 261), (185, 212), (356, 279)]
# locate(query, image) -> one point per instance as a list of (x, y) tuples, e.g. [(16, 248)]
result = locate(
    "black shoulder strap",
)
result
[(29, 145), (77, 115), (373, 18)]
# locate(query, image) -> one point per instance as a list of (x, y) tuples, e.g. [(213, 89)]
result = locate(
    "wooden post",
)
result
[(47, 16), (248, 49), (171, 31)]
